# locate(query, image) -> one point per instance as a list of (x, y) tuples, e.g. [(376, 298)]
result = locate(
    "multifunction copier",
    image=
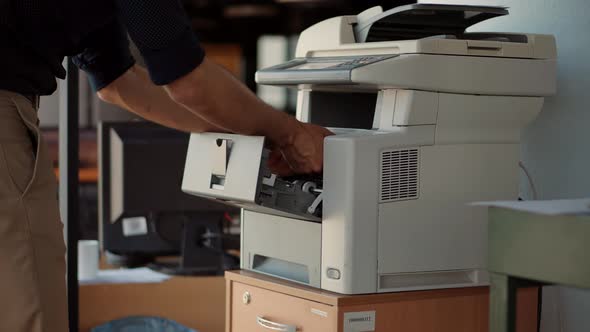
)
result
[(427, 118)]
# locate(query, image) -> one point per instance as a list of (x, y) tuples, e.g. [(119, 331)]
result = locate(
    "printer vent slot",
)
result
[(399, 175)]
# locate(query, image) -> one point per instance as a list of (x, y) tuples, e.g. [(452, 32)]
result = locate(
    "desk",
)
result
[(526, 247), (196, 302)]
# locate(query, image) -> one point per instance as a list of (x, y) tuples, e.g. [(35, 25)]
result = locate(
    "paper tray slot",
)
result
[(282, 247), (281, 268)]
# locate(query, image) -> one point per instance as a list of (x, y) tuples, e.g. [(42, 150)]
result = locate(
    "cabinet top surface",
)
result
[(335, 299)]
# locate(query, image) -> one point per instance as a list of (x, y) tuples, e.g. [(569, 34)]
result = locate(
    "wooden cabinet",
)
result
[(258, 303), (254, 307)]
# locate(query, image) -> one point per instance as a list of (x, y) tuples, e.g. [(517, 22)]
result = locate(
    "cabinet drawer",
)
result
[(255, 309)]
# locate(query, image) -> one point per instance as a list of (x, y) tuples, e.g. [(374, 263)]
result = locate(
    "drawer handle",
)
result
[(267, 324)]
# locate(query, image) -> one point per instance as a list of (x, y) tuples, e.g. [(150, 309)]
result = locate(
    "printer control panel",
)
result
[(324, 70), (361, 61), (331, 63)]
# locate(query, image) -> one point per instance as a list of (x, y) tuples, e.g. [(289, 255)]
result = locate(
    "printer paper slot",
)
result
[(281, 268)]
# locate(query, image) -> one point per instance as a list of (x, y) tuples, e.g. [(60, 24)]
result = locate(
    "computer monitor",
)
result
[(143, 213)]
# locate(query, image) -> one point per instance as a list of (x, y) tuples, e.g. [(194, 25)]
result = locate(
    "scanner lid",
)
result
[(418, 21)]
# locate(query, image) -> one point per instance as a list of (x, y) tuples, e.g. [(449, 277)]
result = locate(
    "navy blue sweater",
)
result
[(36, 35)]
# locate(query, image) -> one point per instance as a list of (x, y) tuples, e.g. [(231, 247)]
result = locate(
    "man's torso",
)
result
[(35, 36)]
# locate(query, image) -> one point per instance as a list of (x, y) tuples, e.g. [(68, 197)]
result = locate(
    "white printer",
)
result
[(428, 118)]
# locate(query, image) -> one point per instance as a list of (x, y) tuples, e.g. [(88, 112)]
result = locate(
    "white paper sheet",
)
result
[(126, 276), (551, 207)]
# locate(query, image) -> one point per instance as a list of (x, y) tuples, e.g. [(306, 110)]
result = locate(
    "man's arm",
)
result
[(135, 92), (211, 99), (215, 95)]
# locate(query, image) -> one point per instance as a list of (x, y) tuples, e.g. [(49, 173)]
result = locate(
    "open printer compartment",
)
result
[(233, 168)]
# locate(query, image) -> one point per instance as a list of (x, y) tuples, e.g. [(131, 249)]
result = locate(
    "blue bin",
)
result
[(142, 324)]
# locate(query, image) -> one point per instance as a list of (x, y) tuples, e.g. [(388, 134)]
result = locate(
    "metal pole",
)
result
[(250, 54), (68, 182)]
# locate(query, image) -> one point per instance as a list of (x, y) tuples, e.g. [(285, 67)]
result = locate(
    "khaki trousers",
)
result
[(32, 250)]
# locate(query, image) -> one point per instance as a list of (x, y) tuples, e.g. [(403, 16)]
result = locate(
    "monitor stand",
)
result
[(202, 251)]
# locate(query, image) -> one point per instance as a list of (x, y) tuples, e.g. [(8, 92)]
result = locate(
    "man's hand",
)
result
[(303, 153)]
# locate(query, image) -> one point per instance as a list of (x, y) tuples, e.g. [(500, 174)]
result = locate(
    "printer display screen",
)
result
[(316, 65)]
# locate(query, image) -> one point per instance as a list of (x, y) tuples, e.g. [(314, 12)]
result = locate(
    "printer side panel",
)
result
[(350, 210), (438, 240)]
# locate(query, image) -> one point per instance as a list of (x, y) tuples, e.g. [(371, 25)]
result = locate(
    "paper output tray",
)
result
[(421, 20), (233, 168)]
